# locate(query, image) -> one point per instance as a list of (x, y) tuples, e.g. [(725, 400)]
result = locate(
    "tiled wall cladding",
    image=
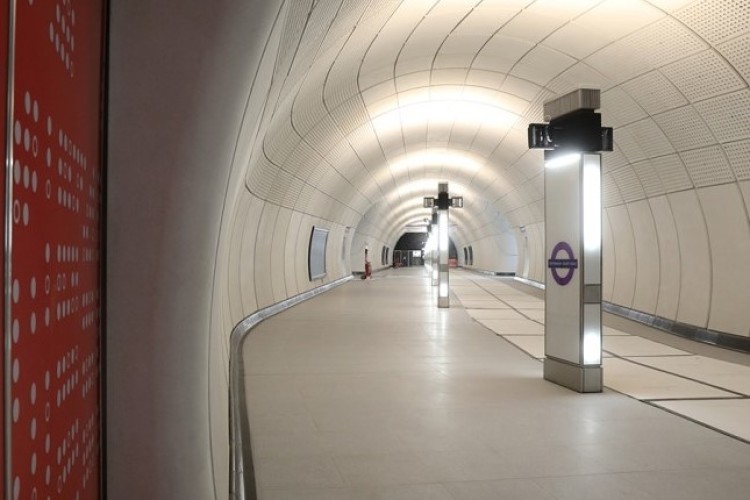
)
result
[(54, 272)]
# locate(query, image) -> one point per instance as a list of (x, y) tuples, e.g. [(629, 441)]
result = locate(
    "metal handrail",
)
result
[(242, 480)]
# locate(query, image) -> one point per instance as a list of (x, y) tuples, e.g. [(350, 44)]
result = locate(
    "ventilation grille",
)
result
[(707, 166), (672, 173), (655, 93), (739, 157), (685, 128), (728, 115), (703, 75), (717, 21)]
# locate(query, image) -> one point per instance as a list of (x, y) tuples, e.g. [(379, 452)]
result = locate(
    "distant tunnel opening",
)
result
[(409, 250)]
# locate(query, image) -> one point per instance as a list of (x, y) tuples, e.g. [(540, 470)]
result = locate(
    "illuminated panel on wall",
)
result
[(54, 273), (316, 255)]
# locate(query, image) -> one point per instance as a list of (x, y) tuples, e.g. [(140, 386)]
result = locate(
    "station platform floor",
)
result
[(370, 391)]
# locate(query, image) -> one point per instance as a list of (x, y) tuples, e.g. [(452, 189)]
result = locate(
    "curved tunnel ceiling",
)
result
[(384, 99)]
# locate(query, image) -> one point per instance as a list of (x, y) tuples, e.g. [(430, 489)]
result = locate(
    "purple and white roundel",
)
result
[(562, 263)]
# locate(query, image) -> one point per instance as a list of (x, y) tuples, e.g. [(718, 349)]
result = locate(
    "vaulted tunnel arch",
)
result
[(268, 117)]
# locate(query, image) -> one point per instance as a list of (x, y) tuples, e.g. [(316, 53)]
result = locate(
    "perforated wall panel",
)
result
[(726, 115), (684, 128), (703, 75), (664, 41), (55, 274), (618, 62), (650, 181), (655, 93), (643, 139), (618, 108), (707, 166), (629, 184), (672, 173), (736, 53), (717, 21), (739, 157)]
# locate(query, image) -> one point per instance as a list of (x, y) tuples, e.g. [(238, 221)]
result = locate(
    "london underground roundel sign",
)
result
[(562, 263)]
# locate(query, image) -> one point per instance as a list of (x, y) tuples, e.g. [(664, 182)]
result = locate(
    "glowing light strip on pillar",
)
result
[(434, 254), (592, 207), (443, 251)]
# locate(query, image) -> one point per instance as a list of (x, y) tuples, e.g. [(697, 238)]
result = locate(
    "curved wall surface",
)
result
[(235, 127)]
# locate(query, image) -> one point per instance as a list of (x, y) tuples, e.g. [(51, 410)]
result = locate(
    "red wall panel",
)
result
[(54, 265), (4, 6)]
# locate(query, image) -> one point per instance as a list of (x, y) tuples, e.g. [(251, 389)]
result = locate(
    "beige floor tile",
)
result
[(637, 346), (297, 471), (607, 330), (525, 304), (531, 344), (730, 376), (645, 383), (494, 314), (389, 469), (513, 326), (371, 392), (516, 489), (728, 415), (484, 304), (533, 314)]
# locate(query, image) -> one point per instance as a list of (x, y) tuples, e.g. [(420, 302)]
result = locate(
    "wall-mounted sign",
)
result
[(562, 263)]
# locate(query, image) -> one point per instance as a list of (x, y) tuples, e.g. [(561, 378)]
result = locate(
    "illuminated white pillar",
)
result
[(573, 240), (443, 243), (434, 252)]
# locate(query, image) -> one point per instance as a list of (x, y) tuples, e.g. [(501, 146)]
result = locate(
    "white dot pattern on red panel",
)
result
[(55, 298)]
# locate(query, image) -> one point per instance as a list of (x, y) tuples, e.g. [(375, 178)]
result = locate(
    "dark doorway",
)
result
[(409, 250)]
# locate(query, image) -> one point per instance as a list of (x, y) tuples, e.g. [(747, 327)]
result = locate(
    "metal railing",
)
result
[(242, 481)]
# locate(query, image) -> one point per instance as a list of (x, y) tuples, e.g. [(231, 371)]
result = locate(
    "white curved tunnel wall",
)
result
[(682, 256), (236, 127)]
